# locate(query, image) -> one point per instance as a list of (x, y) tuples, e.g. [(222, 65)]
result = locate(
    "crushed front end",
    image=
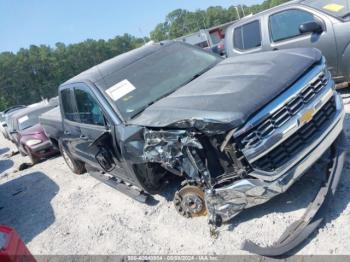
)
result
[(281, 142), (227, 171)]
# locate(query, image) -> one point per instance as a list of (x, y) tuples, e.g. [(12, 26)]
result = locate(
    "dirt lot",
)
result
[(57, 212)]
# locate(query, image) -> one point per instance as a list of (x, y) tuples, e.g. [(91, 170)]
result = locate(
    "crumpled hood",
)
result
[(36, 129), (226, 96)]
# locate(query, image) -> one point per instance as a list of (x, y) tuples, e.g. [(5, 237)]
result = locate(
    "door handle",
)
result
[(275, 49), (83, 137), (66, 132)]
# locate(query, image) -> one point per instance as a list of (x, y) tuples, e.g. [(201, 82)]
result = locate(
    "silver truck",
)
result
[(322, 24)]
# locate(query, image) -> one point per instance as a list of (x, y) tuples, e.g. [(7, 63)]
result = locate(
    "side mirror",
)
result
[(105, 135), (105, 158), (311, 27), (104, 155)]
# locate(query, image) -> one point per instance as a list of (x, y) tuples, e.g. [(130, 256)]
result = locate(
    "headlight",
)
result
[(33, 142)]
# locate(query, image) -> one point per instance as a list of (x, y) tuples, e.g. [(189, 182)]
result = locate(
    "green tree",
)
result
[(182, 22), (36, 72)]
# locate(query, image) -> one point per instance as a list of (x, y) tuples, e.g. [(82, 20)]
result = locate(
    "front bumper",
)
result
[(43, 149), (226, 202)]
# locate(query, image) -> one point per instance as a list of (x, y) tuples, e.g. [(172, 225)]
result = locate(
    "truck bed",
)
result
[(51, 121)]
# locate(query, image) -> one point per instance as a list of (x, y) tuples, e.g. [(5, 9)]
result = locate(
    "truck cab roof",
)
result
[(98, 72)]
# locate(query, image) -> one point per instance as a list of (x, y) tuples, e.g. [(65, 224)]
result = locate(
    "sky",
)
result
[(26, 22)]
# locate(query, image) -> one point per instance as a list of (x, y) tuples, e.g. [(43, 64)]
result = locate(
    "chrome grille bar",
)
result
[(290, 109), (281, 118)]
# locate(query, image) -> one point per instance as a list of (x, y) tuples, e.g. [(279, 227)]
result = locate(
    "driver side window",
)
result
[(285, 24), (89, 110)]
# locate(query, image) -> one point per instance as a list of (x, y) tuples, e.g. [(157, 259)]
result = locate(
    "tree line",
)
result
[(36, 72), (181, 22)]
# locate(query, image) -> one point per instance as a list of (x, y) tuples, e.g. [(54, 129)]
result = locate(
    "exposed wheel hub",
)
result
[(189, 201)]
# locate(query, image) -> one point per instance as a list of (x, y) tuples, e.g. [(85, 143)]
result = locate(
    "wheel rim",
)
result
[(189, 202)]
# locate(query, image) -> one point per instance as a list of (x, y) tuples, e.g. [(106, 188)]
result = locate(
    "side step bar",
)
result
[(119, 185)]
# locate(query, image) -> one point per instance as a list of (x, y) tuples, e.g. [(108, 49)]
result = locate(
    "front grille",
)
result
[(290, 109), (299, 140)]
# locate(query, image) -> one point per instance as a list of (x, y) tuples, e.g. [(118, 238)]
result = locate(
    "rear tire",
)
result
[(76, 166)]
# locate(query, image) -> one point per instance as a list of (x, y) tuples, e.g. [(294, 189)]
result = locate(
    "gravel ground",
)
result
[(57, 212)]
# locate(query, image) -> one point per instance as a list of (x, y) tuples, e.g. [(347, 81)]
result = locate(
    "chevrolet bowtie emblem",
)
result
[(306, 117)]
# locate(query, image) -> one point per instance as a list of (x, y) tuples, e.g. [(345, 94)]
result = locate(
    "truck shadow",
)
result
[(4, 150), (25, 204), (5, 165)]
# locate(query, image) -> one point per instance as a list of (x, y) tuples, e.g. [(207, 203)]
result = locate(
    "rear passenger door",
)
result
[(284, 33), (247, 38)]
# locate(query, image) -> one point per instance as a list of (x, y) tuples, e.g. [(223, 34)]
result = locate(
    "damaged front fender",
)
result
[(170, 149)]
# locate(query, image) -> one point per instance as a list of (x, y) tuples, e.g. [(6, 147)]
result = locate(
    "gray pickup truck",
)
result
[(322, 24), (236, 132), (51, 121)]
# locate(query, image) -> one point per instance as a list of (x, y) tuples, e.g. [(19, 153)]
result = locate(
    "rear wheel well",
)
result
[(76, 166)]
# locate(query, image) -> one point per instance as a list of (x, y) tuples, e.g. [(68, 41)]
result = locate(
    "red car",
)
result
[(34, 143), (12, 248), (29, 136)]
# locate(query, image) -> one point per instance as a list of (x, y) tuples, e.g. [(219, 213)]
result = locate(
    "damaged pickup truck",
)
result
[(238, 132)]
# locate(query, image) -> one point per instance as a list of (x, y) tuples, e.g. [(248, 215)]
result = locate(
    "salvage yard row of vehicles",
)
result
[(236, 132), (20, 125)]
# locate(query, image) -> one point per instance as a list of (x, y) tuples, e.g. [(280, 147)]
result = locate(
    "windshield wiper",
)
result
[(142, 109), (26, 127), (346, 15)]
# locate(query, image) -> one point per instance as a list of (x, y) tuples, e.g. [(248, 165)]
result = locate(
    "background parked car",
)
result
[(6, 116), (28, 135), (12, 247), (323, 24), (219, 48), (53, 101), (2, 119), (34, 143)]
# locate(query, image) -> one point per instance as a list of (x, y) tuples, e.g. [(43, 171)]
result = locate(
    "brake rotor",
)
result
[(189, 201)]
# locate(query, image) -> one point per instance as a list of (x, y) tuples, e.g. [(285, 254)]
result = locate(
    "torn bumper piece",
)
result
[(297, 232)]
